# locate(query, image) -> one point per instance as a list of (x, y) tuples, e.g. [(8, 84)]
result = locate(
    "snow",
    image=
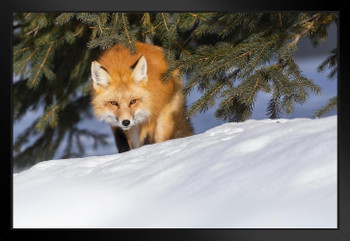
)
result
[(256, 174)]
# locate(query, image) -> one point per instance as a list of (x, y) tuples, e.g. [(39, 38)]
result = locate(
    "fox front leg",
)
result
[(120, 139)]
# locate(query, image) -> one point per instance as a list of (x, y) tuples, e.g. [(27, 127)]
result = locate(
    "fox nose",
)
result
[(125, 122)]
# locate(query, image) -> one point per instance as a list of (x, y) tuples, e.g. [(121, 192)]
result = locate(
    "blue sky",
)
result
[(308, 59)]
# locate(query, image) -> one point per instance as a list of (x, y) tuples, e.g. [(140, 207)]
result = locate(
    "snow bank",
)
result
[(257, 174)]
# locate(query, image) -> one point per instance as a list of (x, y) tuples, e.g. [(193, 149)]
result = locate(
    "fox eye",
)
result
[(113, 103), (133, 101)]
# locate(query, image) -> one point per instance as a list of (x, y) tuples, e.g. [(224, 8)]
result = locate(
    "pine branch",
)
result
[(262, 50), (126, 30), (330, 62), (165, 22), (48, 117), (273, 108), (34, 81), (234, 110), (21, 50), (332, 104), (307, 26), (253, 91), (199, 104), (27, 60), (231, 24), (198, 16), (63, 18)]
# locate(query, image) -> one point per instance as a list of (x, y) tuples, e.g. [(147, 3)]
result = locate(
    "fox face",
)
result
[(120, 99)]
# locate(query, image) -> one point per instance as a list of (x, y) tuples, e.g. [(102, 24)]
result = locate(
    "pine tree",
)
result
[(229, 58)]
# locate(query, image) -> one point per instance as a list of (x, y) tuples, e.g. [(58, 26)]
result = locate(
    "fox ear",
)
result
[(99, 75), (139, 72)]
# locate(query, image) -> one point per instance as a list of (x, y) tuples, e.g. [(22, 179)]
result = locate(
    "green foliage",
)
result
[(332, 104), (228, 57), (331, 63)]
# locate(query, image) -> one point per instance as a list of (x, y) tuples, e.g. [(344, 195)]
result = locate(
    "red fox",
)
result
[(130, 95)]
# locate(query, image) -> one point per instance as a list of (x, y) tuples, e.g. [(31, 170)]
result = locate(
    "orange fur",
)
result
[(159, 107)]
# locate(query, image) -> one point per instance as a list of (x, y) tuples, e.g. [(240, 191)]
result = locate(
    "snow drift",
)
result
[(257, 174)]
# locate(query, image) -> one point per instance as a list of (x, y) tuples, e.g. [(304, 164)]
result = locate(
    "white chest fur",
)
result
[(134, 134)]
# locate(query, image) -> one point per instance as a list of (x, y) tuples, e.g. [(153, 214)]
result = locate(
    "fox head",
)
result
[(120, 97)]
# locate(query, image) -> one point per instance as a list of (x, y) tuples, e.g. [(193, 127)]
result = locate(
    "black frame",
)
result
[(8, 7)]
